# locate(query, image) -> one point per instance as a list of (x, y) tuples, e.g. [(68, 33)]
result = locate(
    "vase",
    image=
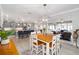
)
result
[(5, 41)]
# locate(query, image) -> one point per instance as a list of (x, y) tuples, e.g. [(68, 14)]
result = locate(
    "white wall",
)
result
[(74, 16)]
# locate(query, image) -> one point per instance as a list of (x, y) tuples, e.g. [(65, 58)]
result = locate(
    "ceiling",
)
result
[(33, 12)]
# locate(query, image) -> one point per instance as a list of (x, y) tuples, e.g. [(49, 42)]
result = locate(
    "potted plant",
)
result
[(4, 40), (10, 33), (0, 36)]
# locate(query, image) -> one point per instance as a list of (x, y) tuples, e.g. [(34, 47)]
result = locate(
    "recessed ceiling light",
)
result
[(44, 4)]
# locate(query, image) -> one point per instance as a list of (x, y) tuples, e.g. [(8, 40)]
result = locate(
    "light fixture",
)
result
[(24, 24), (18, 24), (61, 20), (42, 19), (45, 17), (44, 4), (22, 20)]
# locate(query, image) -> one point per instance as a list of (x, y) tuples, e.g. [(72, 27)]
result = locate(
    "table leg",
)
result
[(47, 48)]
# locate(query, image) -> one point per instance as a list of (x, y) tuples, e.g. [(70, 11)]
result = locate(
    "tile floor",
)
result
[(68, 49), (23, 47)]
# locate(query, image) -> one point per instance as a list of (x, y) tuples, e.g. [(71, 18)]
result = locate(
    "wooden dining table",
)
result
[(46, 38)]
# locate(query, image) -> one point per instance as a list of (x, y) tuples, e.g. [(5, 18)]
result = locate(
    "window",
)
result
[(52, 27), (70, 26), (64, 26)]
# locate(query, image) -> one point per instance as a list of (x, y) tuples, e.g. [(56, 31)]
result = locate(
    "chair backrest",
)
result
[(33, 37), (33, 33), (38, 32)]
